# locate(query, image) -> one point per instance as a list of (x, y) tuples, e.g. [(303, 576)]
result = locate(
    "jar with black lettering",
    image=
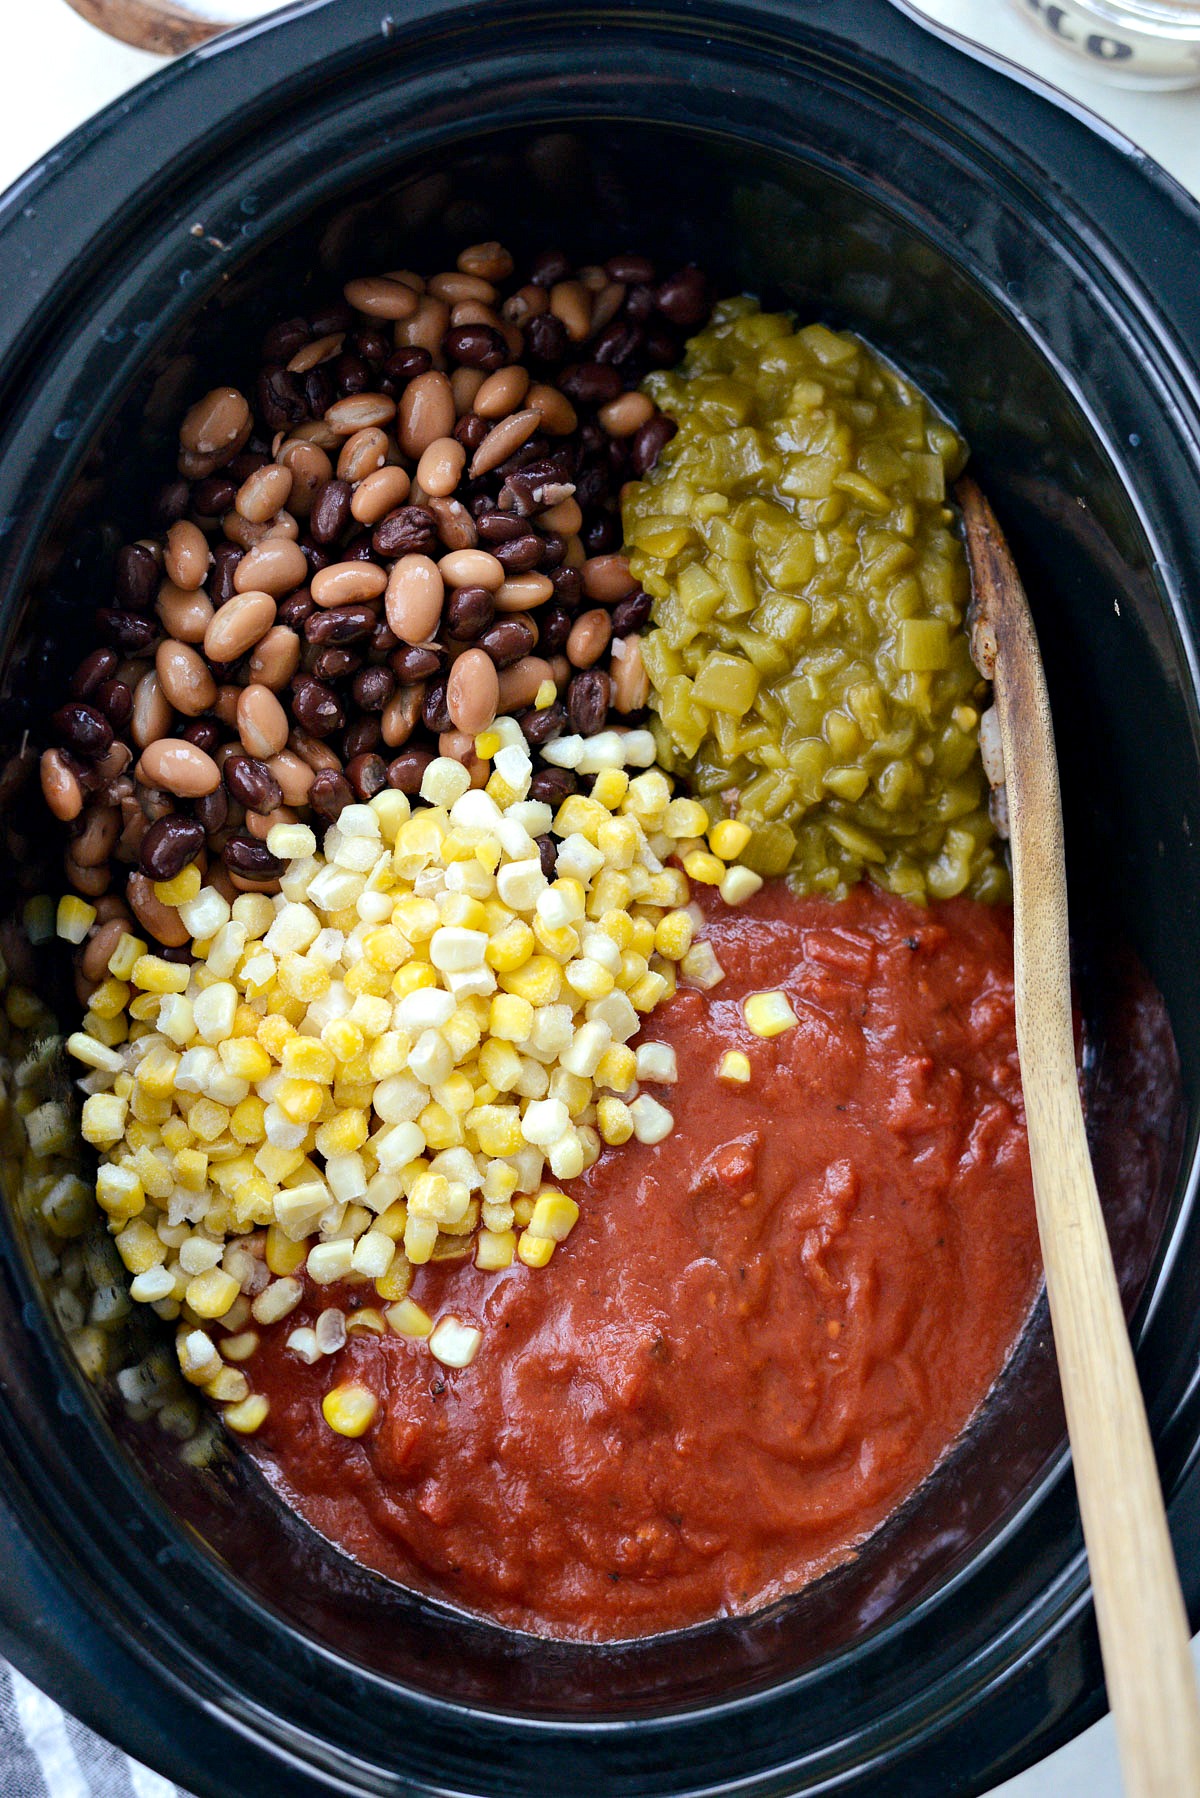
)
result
[(1137, 43)]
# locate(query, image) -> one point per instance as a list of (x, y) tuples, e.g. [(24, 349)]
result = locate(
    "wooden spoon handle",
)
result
[(1139, 1606)]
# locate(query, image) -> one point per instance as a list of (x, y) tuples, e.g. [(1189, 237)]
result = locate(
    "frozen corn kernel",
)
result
[(534, 1251), (249, 1415), (454, 1343), (74, 918), (735, 1068), (656, 1062), (769, 1014), (728, 838), (349, 1410), (738, 885), (407, 1318), (184, 887), (652, 1122), (554, 1215)]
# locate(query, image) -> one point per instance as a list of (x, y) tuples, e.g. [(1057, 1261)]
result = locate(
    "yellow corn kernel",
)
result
[(673, 935), (176, 1135), (156, 1073), (191, 1169), (768, 1014), (211, 1294), (247, 1121), (685, 818), (510, 948), (304, 980), (273, 1033), (668, 889), (154, 975), (500, 1065), (618, 840), (739, 885), (392, 1221), (277, 1165), (208, 1120), (510, 1018), (408, 1319), (554, 1214), (643, 935), (617, 925), (728, 838), (249, 1414), (111, 997), (589, 978), (561, 941), (616, 1068), (648, 992), (230, 1386), (102, 1120), (307, 1058), (283, 1256), (343, 1039), (579, 814), (735, 1068), (349, 1410), (442, 1129), (74, 918), (244, 1058), (184, 887), (534, 1251), (110, 1032), (139, 1246), (495, 1249), (633, 966), (708, 869), (613, 1120), (299, 1100), (342, 1134), (119, 1192), (610, 787), (125, 957), (539, 980), (497, 1129)]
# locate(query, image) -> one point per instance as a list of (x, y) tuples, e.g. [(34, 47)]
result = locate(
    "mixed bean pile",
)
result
[(409, 526)]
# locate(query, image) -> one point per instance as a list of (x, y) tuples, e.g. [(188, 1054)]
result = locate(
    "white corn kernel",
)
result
[(656, 1062), (652, 1122), (454, 1343)]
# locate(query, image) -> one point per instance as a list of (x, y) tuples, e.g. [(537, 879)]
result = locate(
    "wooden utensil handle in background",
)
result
[(1139, 1606)]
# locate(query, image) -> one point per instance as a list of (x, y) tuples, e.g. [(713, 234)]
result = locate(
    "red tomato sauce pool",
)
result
[(762, 1334)]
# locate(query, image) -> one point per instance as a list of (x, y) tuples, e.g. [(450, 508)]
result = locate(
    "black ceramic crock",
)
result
[(1039, 278)]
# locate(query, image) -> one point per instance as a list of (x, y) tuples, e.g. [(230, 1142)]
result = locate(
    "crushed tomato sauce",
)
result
[(762, 1334)]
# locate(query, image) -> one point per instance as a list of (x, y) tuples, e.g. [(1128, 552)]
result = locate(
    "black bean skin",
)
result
[(83, 730), (361, 737), (684, 297), (547, 855), (252, 784), (434, 711), (93, 671), (330, 511), (169, 845), (249, 856), (631, 614), (415, 662), (476, 346), (542, 727), (508, 640), (372, 688), (552, 785), (341, 624), (330, 794), (135, 578), (129, 631), (648, 443), (407, 531), (213, 810), (469, 612), (317, 708), (407, 770), (367, 774), (587, 701)]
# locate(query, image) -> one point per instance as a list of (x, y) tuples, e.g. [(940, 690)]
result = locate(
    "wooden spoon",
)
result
[(169, 27), (1139, 1606)]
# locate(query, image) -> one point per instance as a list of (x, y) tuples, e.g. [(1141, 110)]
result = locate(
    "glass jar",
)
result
[(1137, 43)]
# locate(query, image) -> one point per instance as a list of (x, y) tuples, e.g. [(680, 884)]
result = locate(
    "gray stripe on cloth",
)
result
[(104, 1767), (20, 1776)]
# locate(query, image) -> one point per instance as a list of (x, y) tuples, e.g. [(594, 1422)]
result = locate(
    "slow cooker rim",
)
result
[(113, 122)]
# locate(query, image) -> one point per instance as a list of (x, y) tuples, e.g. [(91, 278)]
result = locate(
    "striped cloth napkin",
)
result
[(44, 1753)]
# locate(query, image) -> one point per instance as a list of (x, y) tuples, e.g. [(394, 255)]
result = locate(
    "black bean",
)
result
[(469, 611), (212, 809), (660, 347), (415, 662), (204, 733), (361, 736), (226, 557), (330, 511), (587, 701), (629, 268), (519, 554), (407, 363), (168, 846), (568, 585), (247, 462), (554, 549), (434, 710), (407, 531), (684, 297), (649, 443), (319, 391), (546, 339), (173, 501), (250, 857), (549, 266), (618, 343), (471, 430), (367, 774), (330, 794), (252, 784), (350, 375), (542, 727), (476, 346), (639, 303), (498, 527), (407, 770), (284, 339), (554, 627), (317, 555), (547, 855), (115, 700), (601, 534), (551, 786), (383, 639), (129, 631), (358, 549), (317, 708), (177, 952), (590, 383), (84, 730), (280, 399), (341, 624), (631, 614), (373, 687), (135, 578), (331, 317), (508, 640), (296, 609), (593, 484), (93, 671), (332, 663), (214, 496), (373, 344)]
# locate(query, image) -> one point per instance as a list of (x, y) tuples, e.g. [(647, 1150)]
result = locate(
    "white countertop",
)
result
[(60, 70)]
